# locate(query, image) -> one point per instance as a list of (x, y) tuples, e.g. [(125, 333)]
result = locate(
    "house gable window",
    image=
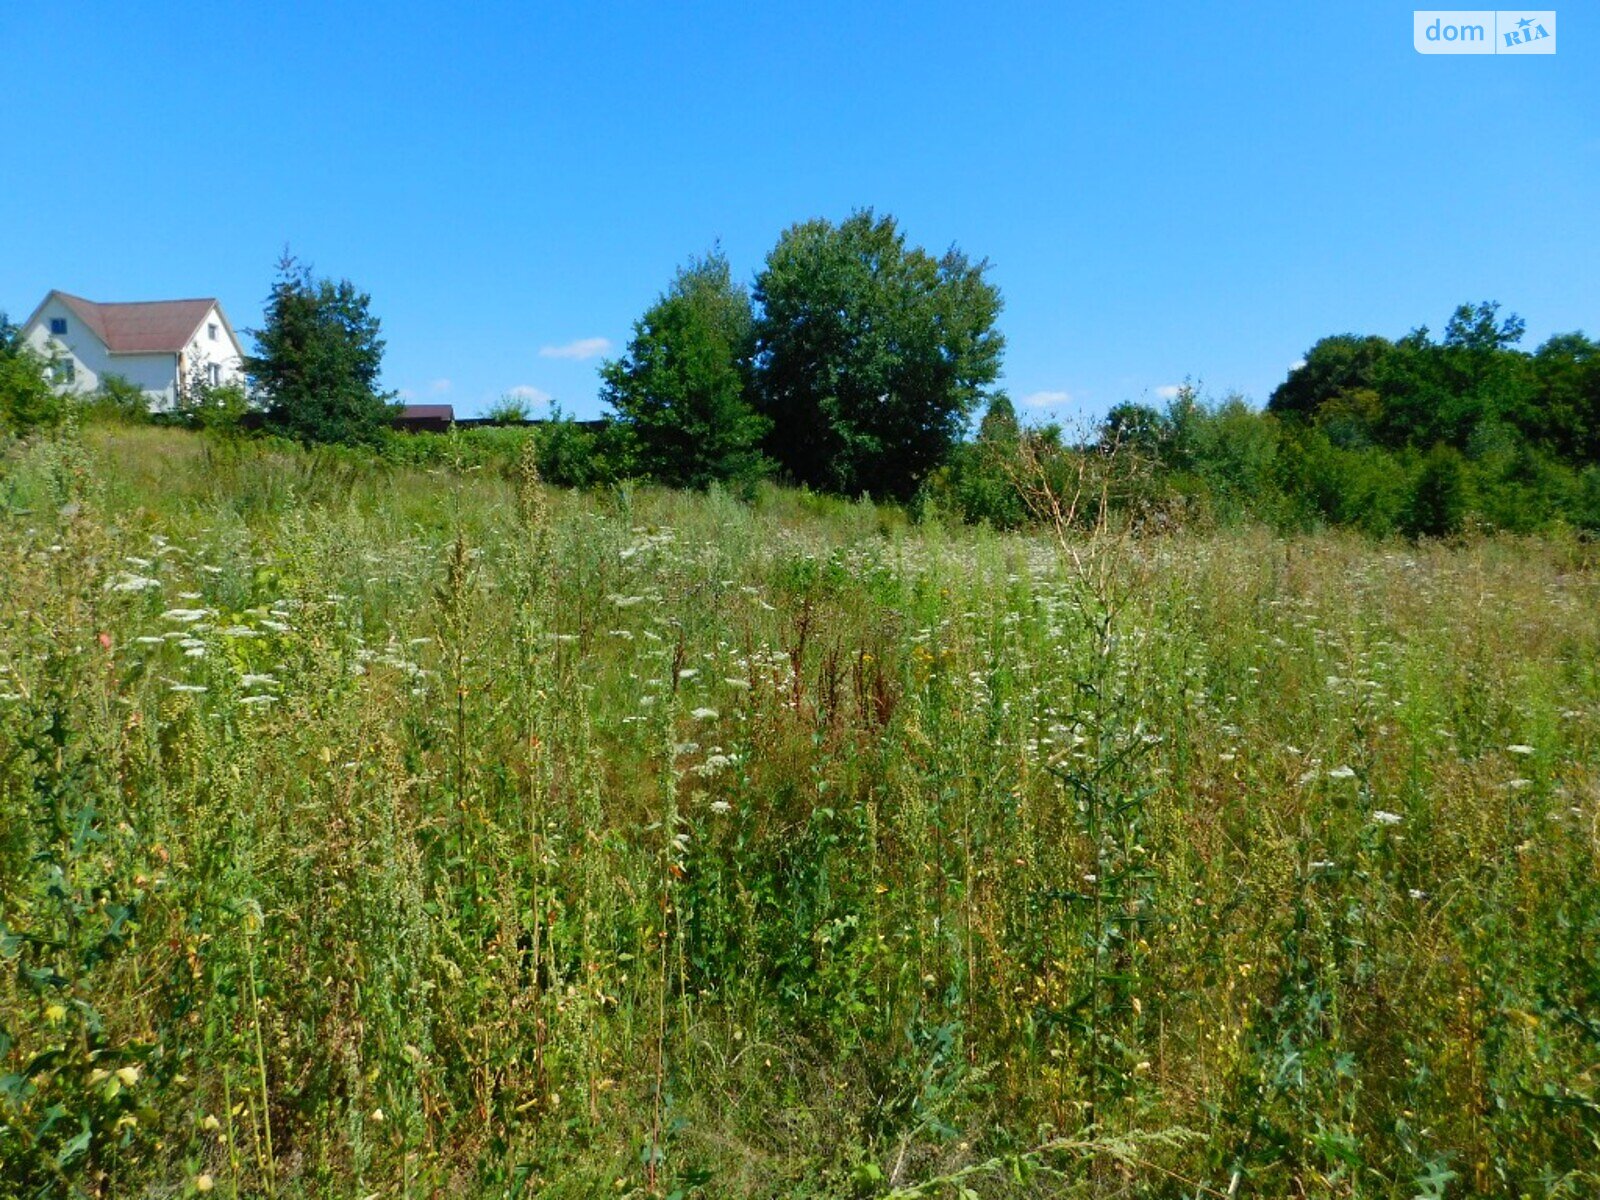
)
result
[(64, 370), (211, 331), (58, 326), (214, 372)]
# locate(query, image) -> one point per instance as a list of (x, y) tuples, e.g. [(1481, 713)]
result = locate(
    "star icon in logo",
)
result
[(1524, 23)]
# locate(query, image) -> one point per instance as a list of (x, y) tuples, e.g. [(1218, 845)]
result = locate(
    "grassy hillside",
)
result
[(376, 832)]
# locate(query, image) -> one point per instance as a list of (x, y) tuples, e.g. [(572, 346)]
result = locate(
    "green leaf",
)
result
[(77, 1146)]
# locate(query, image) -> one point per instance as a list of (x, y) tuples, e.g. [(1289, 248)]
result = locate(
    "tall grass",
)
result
[(367, 831)]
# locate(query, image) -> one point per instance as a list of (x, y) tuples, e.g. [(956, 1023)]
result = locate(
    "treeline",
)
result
[(1416, 436), (856, 365)]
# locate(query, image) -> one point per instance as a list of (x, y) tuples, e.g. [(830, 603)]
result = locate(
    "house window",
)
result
[(58, 326), (214, 372), (211, 331), (64, 370)]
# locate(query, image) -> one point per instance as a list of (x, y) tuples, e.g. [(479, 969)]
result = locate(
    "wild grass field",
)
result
[(377, 832)]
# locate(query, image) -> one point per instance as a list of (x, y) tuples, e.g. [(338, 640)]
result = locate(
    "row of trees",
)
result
[(1471, 387), (857, 362), (855, 366), (1418, 436)]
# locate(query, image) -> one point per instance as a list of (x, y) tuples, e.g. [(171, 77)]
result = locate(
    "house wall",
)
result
[(222, 350)]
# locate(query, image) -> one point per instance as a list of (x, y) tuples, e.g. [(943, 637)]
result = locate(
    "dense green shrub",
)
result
[(116, 399), (28, 400), (569, 453)]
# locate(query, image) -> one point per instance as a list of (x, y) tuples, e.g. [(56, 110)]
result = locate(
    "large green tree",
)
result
[(1334, 370), (1566, 413), (871, 356), (680, 389), (317, 359)]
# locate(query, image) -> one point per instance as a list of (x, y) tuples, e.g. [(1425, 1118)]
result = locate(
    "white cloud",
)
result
[(581, 349), (1169, 391), (1297, 364), (1046, 399), (439, 386), (526, 391)]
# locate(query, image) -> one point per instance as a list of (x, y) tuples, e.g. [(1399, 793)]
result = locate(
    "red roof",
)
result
[(146, 327)]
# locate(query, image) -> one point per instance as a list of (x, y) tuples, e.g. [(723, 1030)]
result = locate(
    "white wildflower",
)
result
[(1387, 818), (133, 583), (187, 615), (1342, 772), (1519, 749), (704, 714)]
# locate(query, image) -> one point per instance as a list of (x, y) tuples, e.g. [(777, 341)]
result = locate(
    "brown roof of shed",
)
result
[(428, 412), (144, 327)]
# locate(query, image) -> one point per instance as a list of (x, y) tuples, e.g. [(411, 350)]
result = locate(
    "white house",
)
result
[(158, 345)]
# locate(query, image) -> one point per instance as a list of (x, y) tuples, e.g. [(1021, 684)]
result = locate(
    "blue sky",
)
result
[(1163, 191)]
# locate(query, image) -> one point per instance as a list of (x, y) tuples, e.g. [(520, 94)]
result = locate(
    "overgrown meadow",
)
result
[(376, 832)]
